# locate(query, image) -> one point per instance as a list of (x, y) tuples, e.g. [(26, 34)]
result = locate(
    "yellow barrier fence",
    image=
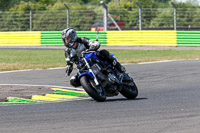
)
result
[(20, 38), (141, 38)]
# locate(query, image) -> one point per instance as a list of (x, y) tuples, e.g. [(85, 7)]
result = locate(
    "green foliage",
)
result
[(163, 1), (4, 4), (163, 18), (15, 21), (79, 22), (132, 3), (35, 6), (84, 13), (130, 16), (20, 5)]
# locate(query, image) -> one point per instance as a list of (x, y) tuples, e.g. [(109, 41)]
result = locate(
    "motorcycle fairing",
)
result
[(91, 55), (94, 56)]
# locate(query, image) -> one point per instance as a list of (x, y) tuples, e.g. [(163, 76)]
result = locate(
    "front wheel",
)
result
[(130, 92), (98, 93)]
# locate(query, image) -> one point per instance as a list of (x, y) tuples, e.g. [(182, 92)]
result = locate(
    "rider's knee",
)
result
[(103, 53), (74, 81)]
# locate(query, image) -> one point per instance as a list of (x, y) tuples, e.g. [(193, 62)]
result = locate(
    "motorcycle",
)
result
[(101, 79)]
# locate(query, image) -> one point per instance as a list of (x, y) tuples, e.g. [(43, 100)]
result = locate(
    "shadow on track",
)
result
[(122, 99)]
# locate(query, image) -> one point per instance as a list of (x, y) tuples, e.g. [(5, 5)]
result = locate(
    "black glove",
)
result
[(74, 59), (84, 52), (69, 69)]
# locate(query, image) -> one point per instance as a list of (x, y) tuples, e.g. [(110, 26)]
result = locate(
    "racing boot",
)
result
[(104, 54), (120, 68), (116, 64)]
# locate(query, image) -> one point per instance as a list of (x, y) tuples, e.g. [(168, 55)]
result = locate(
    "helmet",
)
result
[(69, 36)]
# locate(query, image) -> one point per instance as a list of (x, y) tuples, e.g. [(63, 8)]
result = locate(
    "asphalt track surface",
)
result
[(168, 102)]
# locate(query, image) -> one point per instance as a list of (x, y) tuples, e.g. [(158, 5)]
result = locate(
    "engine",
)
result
[(108, 80)]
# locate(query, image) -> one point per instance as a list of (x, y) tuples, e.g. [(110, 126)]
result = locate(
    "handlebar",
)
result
[(86, 52)]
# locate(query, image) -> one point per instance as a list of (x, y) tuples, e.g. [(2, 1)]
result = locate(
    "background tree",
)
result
[(51, 14)]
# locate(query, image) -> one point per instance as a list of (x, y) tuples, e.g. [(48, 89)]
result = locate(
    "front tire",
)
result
[(130, 92), (97, 93)]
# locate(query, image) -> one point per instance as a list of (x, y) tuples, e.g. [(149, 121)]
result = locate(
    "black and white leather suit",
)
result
[(83, 45)]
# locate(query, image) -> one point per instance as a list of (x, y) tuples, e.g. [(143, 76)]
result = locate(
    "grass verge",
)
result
[(43, 59)]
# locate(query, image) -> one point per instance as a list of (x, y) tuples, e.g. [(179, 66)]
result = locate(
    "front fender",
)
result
[(87, 74), (126, 77)]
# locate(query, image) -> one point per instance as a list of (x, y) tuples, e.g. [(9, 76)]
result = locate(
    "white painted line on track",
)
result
[(141, 63), (164, 61), (16, 71), (26, 70), (57, 68), (51, 86)]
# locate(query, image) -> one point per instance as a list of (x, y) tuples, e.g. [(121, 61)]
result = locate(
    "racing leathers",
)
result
[(84, 44)]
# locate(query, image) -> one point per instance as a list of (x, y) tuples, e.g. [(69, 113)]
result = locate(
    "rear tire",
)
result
[(97, 93), (130, 92)]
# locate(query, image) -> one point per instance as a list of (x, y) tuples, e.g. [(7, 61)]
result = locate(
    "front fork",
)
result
[(90, 70)]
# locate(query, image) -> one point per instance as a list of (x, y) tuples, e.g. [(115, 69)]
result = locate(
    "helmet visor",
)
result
[(68, 41)]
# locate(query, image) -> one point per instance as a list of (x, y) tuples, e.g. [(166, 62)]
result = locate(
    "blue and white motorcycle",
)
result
[(100, 79)]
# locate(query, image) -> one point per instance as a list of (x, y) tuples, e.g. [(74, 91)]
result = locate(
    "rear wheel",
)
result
[(129, 91), (96, 92)]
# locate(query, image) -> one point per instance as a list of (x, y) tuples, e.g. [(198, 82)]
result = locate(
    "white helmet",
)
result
[(69, 34)]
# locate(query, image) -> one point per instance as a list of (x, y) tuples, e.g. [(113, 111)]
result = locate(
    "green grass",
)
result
[(136, 56), (31, 59), (42, 59)]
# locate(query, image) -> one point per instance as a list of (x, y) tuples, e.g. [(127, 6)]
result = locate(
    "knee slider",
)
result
[(74, 81)]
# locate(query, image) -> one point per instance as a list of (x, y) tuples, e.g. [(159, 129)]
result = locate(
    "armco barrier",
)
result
[(92, 35), (49, 38), (188, 38), (20, 39), (141, 38), (44, 38), (109, 38)]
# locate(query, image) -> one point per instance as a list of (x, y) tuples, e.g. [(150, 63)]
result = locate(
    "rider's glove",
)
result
[(83, 52), (69, 69), (94, 45)]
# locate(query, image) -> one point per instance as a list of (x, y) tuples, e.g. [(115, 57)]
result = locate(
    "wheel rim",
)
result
[(131, 88), (98, 89)]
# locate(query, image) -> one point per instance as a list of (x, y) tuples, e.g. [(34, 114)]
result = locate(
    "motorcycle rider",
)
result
[(74, 48)]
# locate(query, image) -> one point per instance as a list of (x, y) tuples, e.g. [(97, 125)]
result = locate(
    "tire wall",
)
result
[(106, 38)]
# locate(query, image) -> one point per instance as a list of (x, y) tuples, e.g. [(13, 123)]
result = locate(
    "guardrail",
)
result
[(188, 38), (141, 38), (20, 38), (109, 38), (54, 37)]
